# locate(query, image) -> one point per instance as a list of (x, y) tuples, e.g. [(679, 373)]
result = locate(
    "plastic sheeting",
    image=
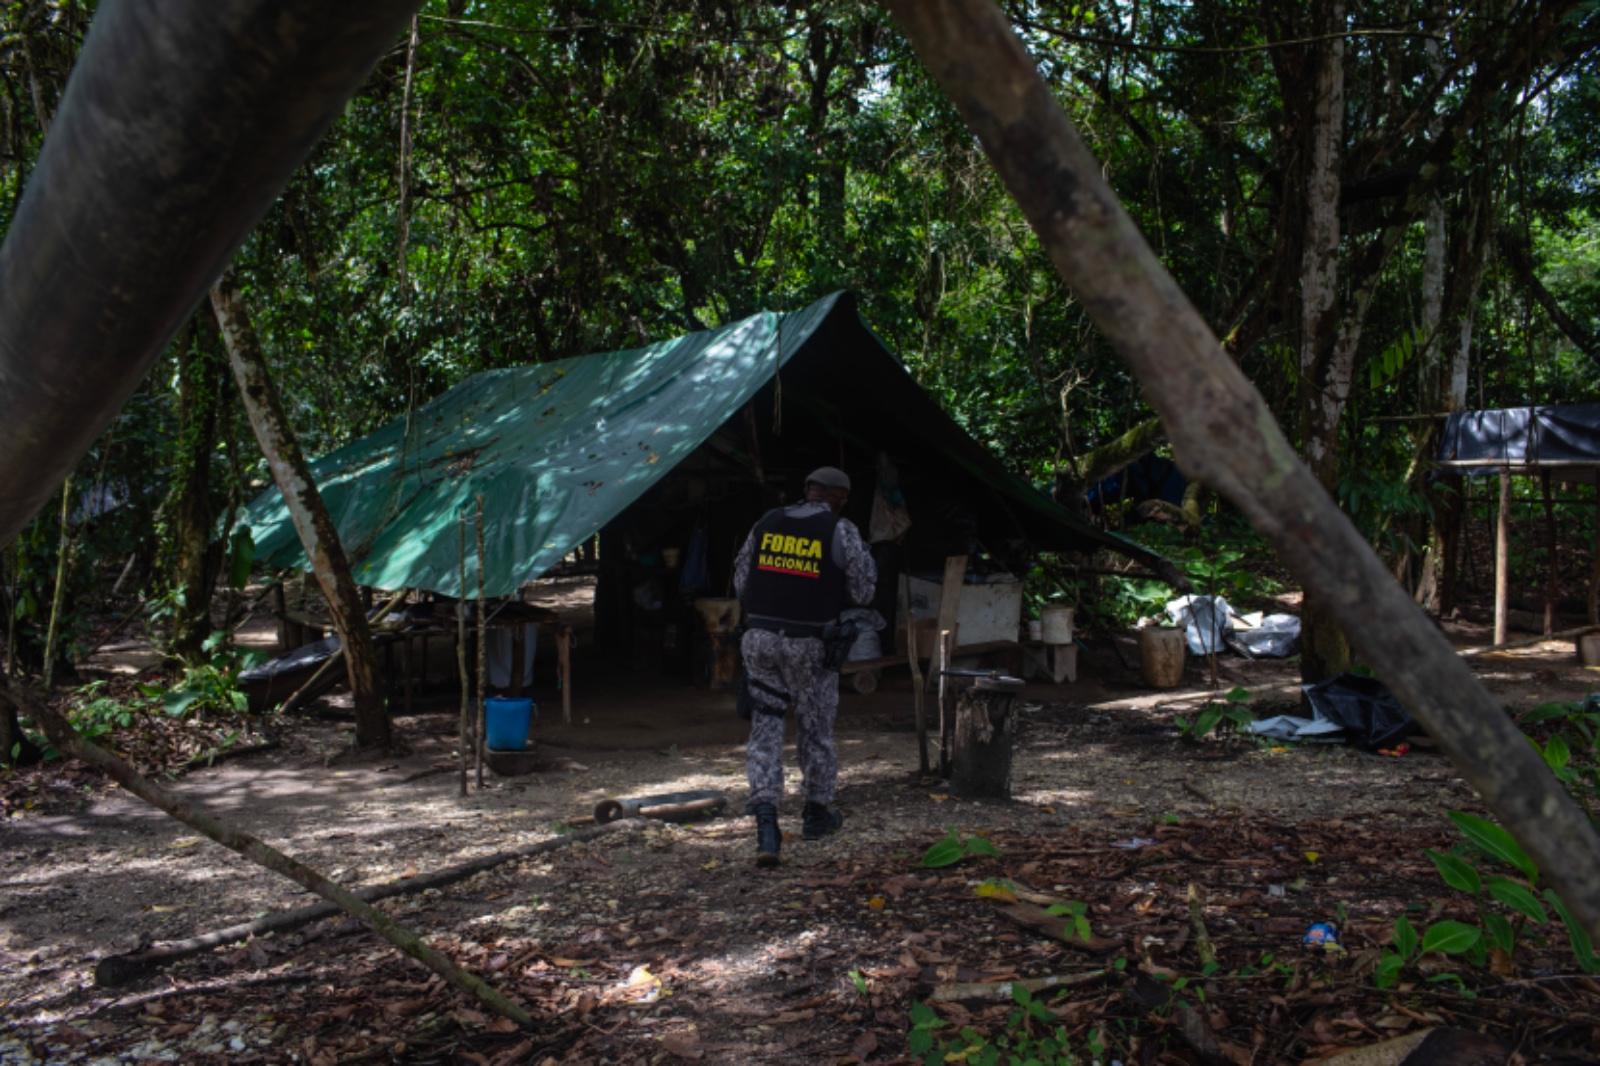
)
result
[(1204, 620), (1563, 437), (1276, 636), (1358, 710), (557, 450)]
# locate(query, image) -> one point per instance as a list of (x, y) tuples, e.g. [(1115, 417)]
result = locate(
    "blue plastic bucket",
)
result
[(506, 722)]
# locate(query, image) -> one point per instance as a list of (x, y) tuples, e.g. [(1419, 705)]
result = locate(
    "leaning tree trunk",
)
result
[(180, 125), (1223, 432), (292, 474)]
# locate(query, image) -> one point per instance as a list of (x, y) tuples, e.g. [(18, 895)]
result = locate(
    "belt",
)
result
[(786, 629)]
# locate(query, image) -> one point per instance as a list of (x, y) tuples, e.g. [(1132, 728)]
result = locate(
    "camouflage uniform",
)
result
[(788, 672)]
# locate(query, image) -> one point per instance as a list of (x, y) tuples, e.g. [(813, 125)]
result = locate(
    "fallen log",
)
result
[(666, 807), (1565, 634), (121, 969), (196, 816)]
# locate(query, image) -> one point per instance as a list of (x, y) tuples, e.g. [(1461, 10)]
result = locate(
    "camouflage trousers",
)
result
[(786, 673)]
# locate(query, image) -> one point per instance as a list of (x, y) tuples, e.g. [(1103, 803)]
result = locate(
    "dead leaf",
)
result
[(864, 1045), (683, 1045), (789, 1017), (517, 1053), (503, 1026)]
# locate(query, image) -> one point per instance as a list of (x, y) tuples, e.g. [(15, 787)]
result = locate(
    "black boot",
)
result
[(820, 820), (768, 837)]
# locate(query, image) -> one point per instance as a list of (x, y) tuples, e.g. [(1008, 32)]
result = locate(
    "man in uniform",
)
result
[(799, 568)]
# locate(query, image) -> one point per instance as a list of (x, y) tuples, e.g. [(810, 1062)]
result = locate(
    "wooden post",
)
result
[(1594, 567), (564, 667), (1502, 544), (955, 572), (280, 606), (483, 655), (1550, 554), (466, 740), (946, 649), (916, 693), (519, 644)]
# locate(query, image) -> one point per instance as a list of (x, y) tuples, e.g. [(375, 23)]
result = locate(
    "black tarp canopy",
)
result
[(1563, 439)]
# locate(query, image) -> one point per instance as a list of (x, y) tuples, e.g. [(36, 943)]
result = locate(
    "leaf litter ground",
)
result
[(661, 943)]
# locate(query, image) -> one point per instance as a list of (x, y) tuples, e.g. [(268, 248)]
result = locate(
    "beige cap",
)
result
[(830, 477)]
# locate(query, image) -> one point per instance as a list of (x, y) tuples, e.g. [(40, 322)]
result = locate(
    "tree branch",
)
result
[(1224, 434), (67, 739)]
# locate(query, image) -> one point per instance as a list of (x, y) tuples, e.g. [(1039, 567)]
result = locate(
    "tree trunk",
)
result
[(194, 564), (15, 747), (1224, 434), (292, 475), (1326, 358), (201, 111)]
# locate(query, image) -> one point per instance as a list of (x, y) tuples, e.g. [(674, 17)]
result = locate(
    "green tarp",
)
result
[(559, 449)]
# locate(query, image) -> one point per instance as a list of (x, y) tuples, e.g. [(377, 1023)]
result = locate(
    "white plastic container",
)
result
[(1056, 625)]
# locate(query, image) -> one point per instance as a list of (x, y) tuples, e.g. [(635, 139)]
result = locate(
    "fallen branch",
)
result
[(1001, 991), (68, 740), (216, 755), (1528, 642), (1202, 936), (120, 969)]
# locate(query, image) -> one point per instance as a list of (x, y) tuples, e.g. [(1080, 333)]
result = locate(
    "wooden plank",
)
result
[(955, 571), (916, 696)]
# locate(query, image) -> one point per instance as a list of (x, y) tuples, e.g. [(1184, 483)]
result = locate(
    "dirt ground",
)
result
[(818, 961)]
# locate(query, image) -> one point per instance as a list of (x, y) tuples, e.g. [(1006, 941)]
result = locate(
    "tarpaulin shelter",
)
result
[(558, 450), (1559, 442), (1563, 439)]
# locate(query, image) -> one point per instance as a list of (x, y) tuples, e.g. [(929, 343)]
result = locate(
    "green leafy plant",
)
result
[(1078, 912), (1029, 1036), (1232, 715), (954, 848), (1495, 929)]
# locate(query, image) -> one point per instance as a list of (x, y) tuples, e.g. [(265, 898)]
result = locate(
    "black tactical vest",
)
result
[(793, 578)]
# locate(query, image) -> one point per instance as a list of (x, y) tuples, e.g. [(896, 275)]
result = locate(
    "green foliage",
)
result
[(1572, 745), (1027, 1037), (1230, 716), (1078, 911), (1494, 929), (954, 848)]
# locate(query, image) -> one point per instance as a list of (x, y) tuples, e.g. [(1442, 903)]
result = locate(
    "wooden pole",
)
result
[(947, 643), (1502, 548), (564, 665), (916, 694), (483, 653), (63, 564), (1594, 566), (465, 741), (1550, 554)]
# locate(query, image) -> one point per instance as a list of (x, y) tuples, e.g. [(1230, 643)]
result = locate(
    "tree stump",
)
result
[(1161, 654), (985, 727)]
